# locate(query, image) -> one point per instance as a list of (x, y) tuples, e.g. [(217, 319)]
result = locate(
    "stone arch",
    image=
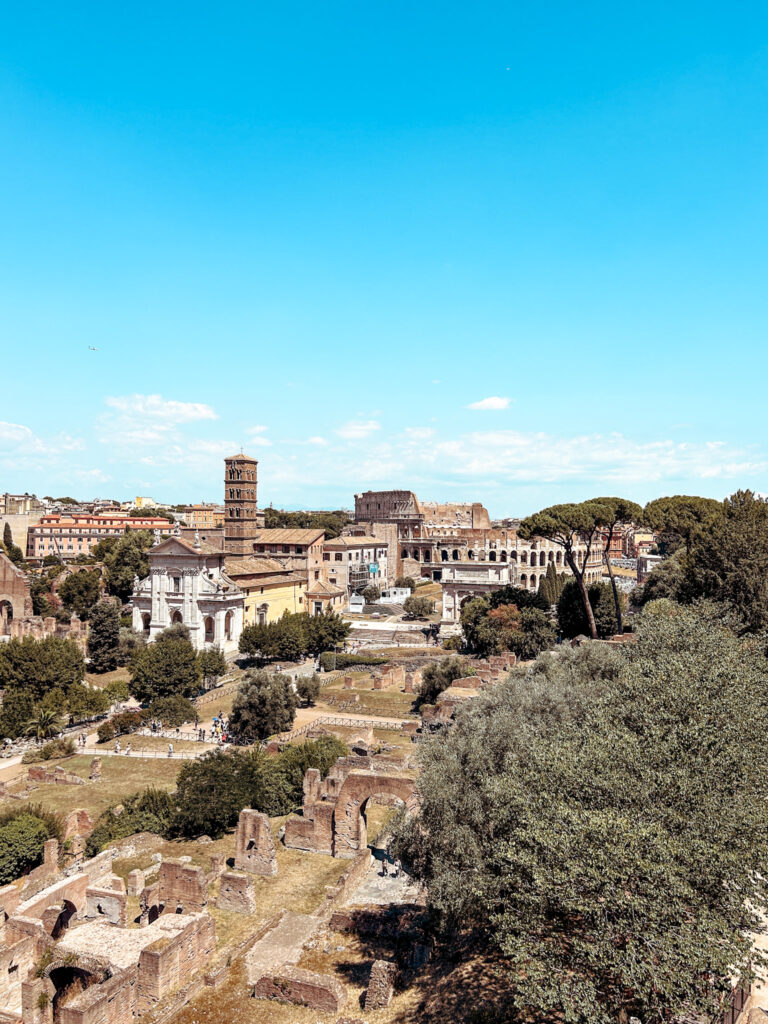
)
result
[(415, 554), (470, 553), (210, 628), (176, 617), (404, 553), (503, 556), (456, 555), (523, 558), (523, 580), (513, 556), (70, 979), (559, 558), (444, 555), (491, 556), (349, 823), (55, 919), (542, 558), (229, 620), (146, 619), (533, 581)]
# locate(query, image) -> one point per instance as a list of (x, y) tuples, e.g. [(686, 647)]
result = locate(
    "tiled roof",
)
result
[(205, 548), (287, 536), (282, 580), (319, 588), (355, 542), (248, 566)]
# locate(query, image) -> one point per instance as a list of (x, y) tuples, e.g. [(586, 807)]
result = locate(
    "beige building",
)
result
[(295, 549), (354, 562)]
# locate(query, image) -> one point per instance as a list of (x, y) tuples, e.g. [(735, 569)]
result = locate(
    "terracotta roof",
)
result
[(287, 536), (319, 588), (251, 566), (205, 548), (284, 579), (241, 458), (355, 542)]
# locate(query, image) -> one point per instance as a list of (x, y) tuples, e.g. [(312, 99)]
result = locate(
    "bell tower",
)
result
[(242, 518)]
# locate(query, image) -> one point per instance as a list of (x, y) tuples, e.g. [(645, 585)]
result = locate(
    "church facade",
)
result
[(188, 584)]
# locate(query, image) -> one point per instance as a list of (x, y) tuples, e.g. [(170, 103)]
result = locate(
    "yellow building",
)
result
[(268, 588)]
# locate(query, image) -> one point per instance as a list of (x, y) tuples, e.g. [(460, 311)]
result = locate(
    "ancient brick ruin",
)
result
[(381, 986), (254, 848), (333, 810), (97, 970)]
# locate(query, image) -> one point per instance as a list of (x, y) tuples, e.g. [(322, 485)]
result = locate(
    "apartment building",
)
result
[(67, 536)]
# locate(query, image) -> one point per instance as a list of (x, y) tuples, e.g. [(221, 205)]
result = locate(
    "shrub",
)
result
[(418, 607), (348, 660), (106, 732), (21, 845), (54, 749), (452, 643), (439, 675), (150, 810), (405, 581), (264, 704), (308, 688)]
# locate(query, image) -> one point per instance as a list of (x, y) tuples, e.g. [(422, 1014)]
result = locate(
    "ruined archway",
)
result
[(6, 615), (69, 980), (349, 822)]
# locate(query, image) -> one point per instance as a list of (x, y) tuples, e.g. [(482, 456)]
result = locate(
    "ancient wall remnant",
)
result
[(95, 772), (181, 888), (237, 893), (306, 988), (108, 901), (381, 986), (254, 848)]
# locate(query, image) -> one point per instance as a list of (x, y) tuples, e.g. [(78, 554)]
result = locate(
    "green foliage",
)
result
[(13, 551), (124, 557), (405, 581), (122, 724), (294, 636), (214, 789), (168, 667), (518, 596), (308, 688), (491, 629), (439, 675), (265, 704), (150, 810), (80, 591), (173, 712), (105, 731), (571, 619), (21, 846), (551, 587), (104, 636), (337, 659), (116, 690), (678, 519), (418, 607), (127, 644), (38, 666), (372, 593), (44, 722), (621, 870), (86, 702), (152, 513), (331, 522), (17, 709), (212, 664), (453, 643), (64, 747), (728, 560)]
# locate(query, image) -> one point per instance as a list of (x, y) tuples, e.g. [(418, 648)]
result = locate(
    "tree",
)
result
[(80, 591), (152, 513), (667, 580), (86, 702), (264, 704), (294, 636), (104, 636), (728, 560), (213, 665), (371, 593), (505, 627), (308, 688), (518, 596), (129, 640), (620, 872), (38, 666), (22, 841), (418, 607), (212, 790), (166, 668), (17, 709), (623, 513), (43, 724), (124, 558), (405, 582), (439, 675), (173, 712), (678, 519), (551, 587), (566, 525), (571, 619), (13, 551)]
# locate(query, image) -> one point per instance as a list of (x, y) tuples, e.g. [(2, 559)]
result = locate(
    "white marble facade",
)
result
[(187, 584)]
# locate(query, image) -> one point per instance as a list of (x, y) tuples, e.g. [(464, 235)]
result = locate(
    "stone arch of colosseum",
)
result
[(349, 823)]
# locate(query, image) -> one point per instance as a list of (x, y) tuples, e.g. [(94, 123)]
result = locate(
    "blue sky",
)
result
[(330, 233)]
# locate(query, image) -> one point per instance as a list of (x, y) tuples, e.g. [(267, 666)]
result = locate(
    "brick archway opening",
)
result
[(350, 827)]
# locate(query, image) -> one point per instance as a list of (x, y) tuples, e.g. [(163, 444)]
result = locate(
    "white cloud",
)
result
[(419, 433), (356, 429), (494, 402), (156, 407), (317, 440), (257, 430), (21, 442)]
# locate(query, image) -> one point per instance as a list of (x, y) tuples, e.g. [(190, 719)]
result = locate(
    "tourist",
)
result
[(117, 746), (128, 750), (384, 866), (170, 750)]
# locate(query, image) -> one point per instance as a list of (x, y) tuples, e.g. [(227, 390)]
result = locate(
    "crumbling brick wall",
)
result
[(305, 988), (236, 893), (254, 848), (381, 986), (170, 961), (182, 888)]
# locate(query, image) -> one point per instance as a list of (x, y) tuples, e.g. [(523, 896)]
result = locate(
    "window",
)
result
[(338, 557), (326, 557), (299, 549), (286, 549)]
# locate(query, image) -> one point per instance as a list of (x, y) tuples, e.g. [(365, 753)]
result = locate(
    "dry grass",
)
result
[(156, 743), (102, 679), (121, 776)]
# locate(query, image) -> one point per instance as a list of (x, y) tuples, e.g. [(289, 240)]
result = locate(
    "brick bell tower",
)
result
[(242, 518)]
